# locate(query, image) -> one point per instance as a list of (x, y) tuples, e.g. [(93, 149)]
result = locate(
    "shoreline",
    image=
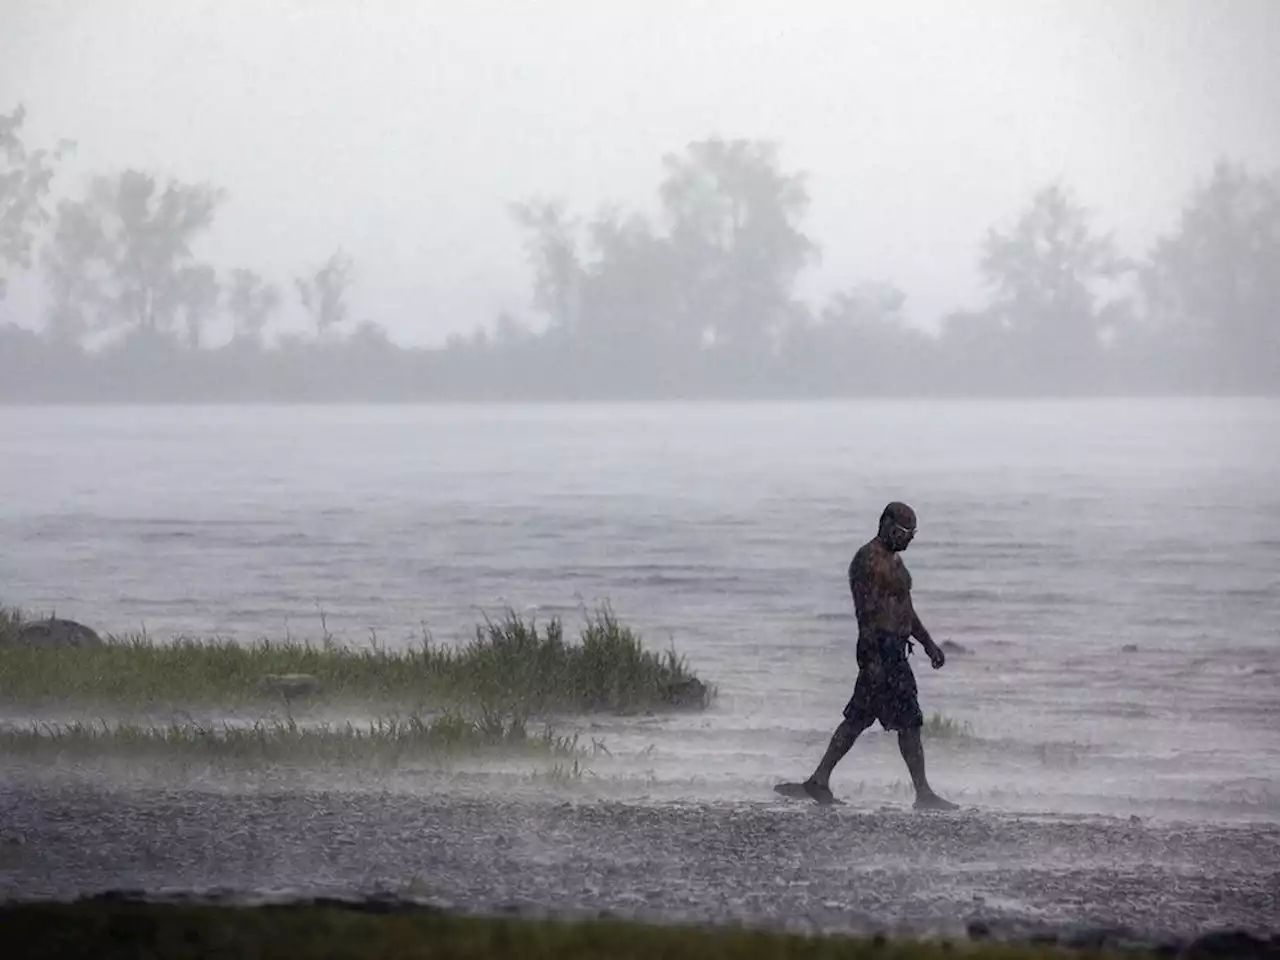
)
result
[(859, 869)]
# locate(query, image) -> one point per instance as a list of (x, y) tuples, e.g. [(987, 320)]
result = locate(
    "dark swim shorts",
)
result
[(892, 697)]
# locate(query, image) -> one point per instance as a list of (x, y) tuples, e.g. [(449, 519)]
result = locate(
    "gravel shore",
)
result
[(769, 863)]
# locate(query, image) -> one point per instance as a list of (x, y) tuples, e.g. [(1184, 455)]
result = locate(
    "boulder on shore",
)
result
[(289, 685), (687, 693), (53, 632)]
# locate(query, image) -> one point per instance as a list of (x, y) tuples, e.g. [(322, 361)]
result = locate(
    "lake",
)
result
[(1055, 538)]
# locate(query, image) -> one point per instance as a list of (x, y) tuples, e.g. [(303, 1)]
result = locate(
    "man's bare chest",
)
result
[(890, 578)]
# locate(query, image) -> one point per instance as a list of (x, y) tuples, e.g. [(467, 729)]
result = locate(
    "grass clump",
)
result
[(122, 928), (384, 742), (608, 669), (509, 664), (11, 621), (939, 727)]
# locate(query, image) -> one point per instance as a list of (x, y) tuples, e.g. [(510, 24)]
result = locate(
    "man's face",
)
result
[(900, 534)]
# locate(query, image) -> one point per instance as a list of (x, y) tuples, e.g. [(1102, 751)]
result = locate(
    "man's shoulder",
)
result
[(862, 557)]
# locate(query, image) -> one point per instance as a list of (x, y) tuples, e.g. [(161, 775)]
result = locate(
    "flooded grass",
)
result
[(511, 663), (101, 927), (382, 742), (11, 621), (941, 727)]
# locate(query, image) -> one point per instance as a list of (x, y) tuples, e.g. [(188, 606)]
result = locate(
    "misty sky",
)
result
[(401, 130)]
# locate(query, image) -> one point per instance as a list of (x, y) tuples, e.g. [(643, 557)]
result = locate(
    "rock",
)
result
[(289, 685), (978, 930), (1229, 943), (950, 646), (55, 632), (1129, 648), (687, 693)]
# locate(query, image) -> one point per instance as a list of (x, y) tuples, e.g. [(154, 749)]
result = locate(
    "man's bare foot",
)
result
[(820, 792), (931, 801)]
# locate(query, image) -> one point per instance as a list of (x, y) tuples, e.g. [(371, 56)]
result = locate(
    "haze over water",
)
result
[(1053, 535)]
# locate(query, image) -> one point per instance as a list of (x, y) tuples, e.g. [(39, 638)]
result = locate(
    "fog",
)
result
[(402, 133), (241, 217)]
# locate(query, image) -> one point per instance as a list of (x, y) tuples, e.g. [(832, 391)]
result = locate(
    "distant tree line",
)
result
[(699, 300)]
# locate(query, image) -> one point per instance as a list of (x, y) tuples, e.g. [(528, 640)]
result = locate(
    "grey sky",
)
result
[(401, 130)]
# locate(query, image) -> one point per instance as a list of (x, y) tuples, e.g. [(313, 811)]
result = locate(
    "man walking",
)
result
[(886, 688)]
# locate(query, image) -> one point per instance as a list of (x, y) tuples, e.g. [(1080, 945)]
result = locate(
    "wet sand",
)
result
[(772, 863)]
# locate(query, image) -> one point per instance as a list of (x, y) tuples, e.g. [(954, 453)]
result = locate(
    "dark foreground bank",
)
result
[(127, 927), (563, 853)]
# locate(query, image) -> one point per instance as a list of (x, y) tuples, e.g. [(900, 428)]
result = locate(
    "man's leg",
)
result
[(907, 718), (913, 752), (859, 713), (819, 784)]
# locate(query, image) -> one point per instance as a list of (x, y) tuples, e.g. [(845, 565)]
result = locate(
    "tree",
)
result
[(976, 352), (733, 219), (198, 298), (371, 337), (1047, 274), (870, 309), (718, 266), (859, 344), (72, 265), (323, 293), (629, 292), (551, 247), (508, 331), (122, 256), (251, 301), (24, 183), (1213, 283)]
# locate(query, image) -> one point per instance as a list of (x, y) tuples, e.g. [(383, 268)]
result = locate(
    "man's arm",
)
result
[(864, 608), (934, 652), (918, 631), (863, 595)]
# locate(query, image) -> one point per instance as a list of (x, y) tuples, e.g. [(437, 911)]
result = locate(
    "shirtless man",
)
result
[(886, 688)]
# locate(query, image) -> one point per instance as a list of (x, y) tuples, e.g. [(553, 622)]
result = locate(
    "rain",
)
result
[(807, 467)]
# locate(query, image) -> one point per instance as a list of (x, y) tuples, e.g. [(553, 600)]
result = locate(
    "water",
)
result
[(1052, 534)]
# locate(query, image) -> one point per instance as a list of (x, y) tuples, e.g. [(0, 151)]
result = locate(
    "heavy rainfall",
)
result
[(806, 469)]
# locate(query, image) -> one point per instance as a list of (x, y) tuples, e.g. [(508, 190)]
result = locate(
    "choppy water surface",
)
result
[(1052, 536)]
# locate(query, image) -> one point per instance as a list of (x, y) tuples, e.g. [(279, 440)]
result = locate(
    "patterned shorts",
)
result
[(890, 698)]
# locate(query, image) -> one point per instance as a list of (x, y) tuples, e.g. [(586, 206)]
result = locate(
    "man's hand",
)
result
[(936, 656)]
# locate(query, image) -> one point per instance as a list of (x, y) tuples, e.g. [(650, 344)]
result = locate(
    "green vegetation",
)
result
[(382, 742), (509, 666), (939, 727), (102, 928), (10, 623)]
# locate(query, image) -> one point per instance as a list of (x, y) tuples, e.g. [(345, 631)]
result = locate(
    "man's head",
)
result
[(897, 526)]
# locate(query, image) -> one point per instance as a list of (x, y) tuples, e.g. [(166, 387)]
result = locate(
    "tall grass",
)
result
[(508, 661), (940, 727), (11, 621), (509, 664)]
